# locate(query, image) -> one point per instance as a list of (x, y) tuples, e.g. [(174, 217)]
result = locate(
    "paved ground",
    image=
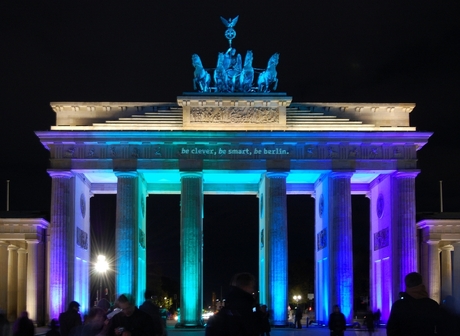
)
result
[(315, 331)]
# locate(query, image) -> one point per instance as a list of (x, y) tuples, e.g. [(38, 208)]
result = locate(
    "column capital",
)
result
[(432, 242), (4, 243), (277, 174), (60, 173), (13, 247), (126, 174), (340, 174), (22, 250), (407, 173), (195, 174), (447, 247)]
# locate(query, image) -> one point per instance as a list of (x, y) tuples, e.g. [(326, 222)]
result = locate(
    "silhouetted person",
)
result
[(154, 311), (240, 315), (4, 325), (377, 316), (70, 318), (298, 318), (415, 313), (24, 326), (93, 326), (54, 329), (337, 323), (264, 321), (450, 319), (132, 321), (369, 321)]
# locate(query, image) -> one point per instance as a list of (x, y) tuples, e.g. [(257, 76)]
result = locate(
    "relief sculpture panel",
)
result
[(234, 115)]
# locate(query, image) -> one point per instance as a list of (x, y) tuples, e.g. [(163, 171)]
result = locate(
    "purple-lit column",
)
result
[(4, 273), (191, 252), (277, 245), (404, 230), (61, 242), (456, 275), (446, 269), (432, 273), (12, 307), (126, 239), (340, 240)]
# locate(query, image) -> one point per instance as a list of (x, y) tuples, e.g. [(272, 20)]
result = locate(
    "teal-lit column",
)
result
[(277, 245), (126, 238), (340, 240), (191, 253), (62, 242), (404, 230)]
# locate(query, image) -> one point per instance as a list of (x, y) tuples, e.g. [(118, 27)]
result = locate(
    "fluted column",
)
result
[(404, 230), (433, 274), (456, 275), (126, 238), (61, 242), (3, 273), (22, 279), (12, 305), (446, 269), (34, 276), (341, 243), (191, 248), (277, 244)]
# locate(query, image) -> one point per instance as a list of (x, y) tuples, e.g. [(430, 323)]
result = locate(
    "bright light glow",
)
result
[(297, 298), (102, 265)]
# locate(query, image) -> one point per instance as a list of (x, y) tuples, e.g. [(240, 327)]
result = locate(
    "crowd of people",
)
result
[(413, 314)]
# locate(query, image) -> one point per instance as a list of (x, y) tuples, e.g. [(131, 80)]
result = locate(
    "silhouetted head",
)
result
[(126, 303), (148, 294), (244, 281), (413, 279), (74, 305)]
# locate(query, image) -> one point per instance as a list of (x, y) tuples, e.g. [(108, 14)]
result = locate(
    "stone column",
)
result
[(61, 242), (3, 273), (22, 280), (191, 248), (12, 296), (404, 230), (34, 277), (277, 245), (456, 274), (341, 243), (432, 274), (446, 269), (126, 238)]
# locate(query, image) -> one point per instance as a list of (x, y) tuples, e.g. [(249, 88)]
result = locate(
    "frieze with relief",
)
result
[(235, 115)]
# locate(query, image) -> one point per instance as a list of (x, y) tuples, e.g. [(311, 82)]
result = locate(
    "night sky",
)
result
[(330, 51)]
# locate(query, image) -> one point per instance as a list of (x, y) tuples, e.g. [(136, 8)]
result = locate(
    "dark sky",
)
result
[(330, 51)]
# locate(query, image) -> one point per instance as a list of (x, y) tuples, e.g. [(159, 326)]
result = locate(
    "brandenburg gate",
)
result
[(258, 143)]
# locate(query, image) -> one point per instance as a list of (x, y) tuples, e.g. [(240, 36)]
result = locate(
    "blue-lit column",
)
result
[(340, 243), (276, 245), (126, 238), (191, 254), (404, 230), (62, 237)]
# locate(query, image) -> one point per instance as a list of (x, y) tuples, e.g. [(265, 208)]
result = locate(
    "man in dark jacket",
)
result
[(131, 321), (337, 323), (240, 316), (415, 313), (70, 319)]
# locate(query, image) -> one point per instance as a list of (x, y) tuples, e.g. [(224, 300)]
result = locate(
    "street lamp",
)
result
[(297, 299), (101, 267)]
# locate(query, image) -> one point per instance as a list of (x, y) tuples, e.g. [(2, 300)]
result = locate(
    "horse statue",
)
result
[(247, 74), (220, 74), (267, 79), (201, 79)]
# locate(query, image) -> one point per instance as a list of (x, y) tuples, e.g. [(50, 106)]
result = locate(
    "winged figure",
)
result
[(230, 23)]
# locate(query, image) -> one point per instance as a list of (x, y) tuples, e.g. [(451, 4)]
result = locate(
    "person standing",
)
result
[(154, 311), (240, 315), (70, 318), (298, 317), (414, 313), (132, 321), (265, 321), (369, 321), (24, 326), (54, 329), (337, 323)]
